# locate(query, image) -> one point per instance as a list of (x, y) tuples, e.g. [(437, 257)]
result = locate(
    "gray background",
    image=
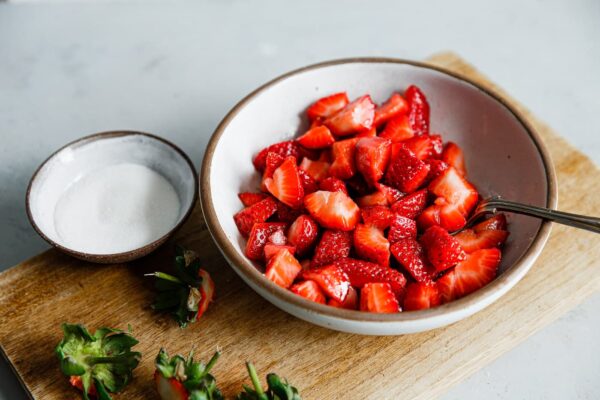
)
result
[(174, 69)]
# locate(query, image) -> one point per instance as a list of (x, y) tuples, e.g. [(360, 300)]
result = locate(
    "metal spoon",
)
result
[(494, 204)]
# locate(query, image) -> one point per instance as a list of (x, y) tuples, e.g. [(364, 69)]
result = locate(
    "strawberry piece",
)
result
[(497, 222), (406, 172), (317, 170), (421, 146), (286, 214), (378, 298), (343, 153), (271, 249), (327, 106), (421, 296), (410, 206), (317, 138), (248, 199), (411, 255), (303, 234), (333, 184), (170, 388), (332, 280), (393, 106), (455, 190), (370, 244), (476, 271), (207, 291), (471, 241), (354, 117), (372, 158), (259, 236), (283, 268), (443, 250), (309, 290), (437, 145), (362, 272), (315, 122), (259, 212), (351, 302), (277, 237), (367, 133), (332, 246), (392, 194), (308, 183), (286, 185), (401, 228), (283, 149), (453, 156), (332, 210), (431, 217), (378, 216), (377, 198), (397, 129), (436, 168), (272, 162), (418, 110)]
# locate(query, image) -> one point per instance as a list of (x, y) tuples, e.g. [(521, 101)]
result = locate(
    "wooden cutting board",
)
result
[(37, 295)]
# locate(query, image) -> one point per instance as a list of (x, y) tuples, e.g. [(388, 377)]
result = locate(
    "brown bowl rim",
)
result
[(250, 272), (126, 255)]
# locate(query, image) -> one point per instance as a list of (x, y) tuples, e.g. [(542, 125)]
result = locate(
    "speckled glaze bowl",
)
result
[(504, 156), (74, 160)]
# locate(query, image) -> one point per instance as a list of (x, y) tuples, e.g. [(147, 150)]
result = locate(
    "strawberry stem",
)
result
[(254, 379), (107, 360), (212, 362), (164, 276)]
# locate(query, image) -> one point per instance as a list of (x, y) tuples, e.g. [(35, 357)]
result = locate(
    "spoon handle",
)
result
[(574, 220)]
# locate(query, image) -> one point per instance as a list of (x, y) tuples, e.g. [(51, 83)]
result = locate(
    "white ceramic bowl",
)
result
[(504, 156)]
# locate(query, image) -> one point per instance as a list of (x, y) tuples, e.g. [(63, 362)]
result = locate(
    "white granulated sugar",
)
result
[(116, 209)]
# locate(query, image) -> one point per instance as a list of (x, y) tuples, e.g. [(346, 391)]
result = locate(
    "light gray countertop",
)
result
[(174, 69)]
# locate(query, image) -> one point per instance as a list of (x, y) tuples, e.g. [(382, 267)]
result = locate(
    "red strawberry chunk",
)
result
[(436, 168), (406, 172), (309, 290), (317, 170), (327, 106), (351, 302), (378, 298), (332, 210), (362, 272), (284, 149), (249, 199), (377, 198), (497, 222), (332, 246), (393, 106), (308, 183), (372, 158), (277, 237), (332, 184), (471, 241), (259, 236), (411, 255), (431, 217), (259, 212), (272, 249), (455, 190), (443, 250), (286, 184), (418, 110), (317, 138), (283, 268), (453, 156), (343, 153), (397, 129), (272, 162), (378, 216), (303, 234), (354, 117), (437, 145), (410, 206), (421, 146), (402, 228), (332, 280), (286, 214), (370, 244), (367, 133), (420, 296), (476, 271), (392, 195)]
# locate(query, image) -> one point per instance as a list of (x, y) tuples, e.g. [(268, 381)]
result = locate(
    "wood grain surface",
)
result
[(39, 294)]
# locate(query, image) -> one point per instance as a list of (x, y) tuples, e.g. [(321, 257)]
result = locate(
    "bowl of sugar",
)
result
[(113, 196)]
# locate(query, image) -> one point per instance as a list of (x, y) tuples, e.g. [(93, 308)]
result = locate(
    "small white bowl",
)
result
[(97, 151), (504, 156)]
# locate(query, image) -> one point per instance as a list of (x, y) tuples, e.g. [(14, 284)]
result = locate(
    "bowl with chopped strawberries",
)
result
[(341, 193)]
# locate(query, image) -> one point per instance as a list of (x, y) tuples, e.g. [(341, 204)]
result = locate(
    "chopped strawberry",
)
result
[(333, 184), (367, 133), (431, 217), (443, 250), (284, 149), (397, 129), (393, 106), (362, 272), (418, 110), (283, 268), (207, 290), (332, 246), (317, 138), (303, 234), (332, 280), (286, 214), (248, 198), (277, 237), (259, 236), (437, 145), (271, 249), (317, 170), (453, 156), (273, 161), (436, 168), (286, 184), (343, 165), (497, 222), (354, 117), (351, 302), (410, 206), (308, 183), (401, 228), (378, 216), (309, 290), (411, 255), (316, 122), (476, 271), (377, 198), (392, 194), (332, 210), (370, 244), (471, 241), (406, 172), (378, 298), (457, 193), (420, 296), (421, 146), (259, 212), (327, 106), (372, 158)]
